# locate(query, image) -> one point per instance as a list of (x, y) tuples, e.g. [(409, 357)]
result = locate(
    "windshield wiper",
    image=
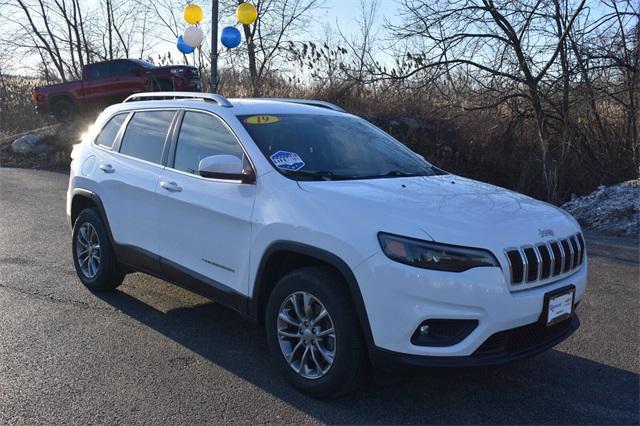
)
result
[(318, 174), (393, 173)]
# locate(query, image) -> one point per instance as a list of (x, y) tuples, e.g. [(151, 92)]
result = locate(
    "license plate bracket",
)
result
[(558, 305)]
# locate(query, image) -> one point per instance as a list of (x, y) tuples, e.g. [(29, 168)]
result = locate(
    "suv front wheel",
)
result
[(314, 334), (93, 256)]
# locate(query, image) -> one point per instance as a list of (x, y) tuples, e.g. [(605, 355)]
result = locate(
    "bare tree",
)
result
[(495, 41), (279, 21)]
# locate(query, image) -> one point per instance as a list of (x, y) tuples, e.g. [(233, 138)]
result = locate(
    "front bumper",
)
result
[(501, 348), (398, 298)]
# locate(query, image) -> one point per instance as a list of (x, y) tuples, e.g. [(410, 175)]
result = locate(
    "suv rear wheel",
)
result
[(93, 256), (314, 334)]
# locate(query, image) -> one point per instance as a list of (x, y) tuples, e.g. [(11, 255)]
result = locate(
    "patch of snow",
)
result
[(611, 210)]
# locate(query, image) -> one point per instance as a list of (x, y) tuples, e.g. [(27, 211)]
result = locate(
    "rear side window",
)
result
[(202, 135), (145, 135), (109, 132), (122, 68), (99, 70)]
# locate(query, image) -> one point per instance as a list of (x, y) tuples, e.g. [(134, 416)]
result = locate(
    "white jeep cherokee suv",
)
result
[(349, 247)]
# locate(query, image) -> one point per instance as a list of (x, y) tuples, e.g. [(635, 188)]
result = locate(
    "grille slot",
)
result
[(582, 247), (557, 258), (568, 255), (542, 261), (517, 266), (532, 264)]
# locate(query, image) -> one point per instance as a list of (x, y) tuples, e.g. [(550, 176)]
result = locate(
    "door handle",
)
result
[(170, 186), (107, 168)]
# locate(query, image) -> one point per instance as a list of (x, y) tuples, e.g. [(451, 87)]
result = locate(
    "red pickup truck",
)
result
[(106, 83)]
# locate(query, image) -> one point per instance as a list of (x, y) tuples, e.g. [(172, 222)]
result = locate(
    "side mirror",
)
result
[(225, 167)]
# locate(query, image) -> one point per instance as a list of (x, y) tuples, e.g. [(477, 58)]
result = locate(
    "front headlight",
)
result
[(442, 257)]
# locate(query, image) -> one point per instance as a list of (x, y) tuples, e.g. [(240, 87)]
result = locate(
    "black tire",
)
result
[(63, 109), (108, 276), (350, 365)]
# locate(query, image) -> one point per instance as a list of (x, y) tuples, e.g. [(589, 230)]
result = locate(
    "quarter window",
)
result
[(202, 135), (146, 134), (109, 132)]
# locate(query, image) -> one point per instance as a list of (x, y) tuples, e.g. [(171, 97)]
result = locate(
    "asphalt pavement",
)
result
[(153, 353)]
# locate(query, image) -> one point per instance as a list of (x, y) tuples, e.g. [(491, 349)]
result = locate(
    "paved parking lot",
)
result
[(154, 353)]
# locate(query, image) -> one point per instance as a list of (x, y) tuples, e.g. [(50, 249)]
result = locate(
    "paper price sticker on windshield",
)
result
[(262, 119), (286, 160)]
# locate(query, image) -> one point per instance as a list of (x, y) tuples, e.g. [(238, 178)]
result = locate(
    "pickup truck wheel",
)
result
[(63, 109), (93, 256), (314, 334)]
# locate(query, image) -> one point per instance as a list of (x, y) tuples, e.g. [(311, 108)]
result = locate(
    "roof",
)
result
[(236, 106)]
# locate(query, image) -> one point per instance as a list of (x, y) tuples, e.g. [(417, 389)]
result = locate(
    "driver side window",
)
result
[(202, 135)]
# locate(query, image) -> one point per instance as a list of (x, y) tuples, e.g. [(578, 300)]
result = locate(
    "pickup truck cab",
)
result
[(110, 82)]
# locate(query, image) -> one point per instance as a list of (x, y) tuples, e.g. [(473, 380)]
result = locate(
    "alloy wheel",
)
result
[(88, 250), (306, 335)]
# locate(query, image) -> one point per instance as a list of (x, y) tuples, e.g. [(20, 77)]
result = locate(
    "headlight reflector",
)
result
[(428, 255)]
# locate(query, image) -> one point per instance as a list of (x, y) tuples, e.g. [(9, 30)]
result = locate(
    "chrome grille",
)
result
[(542, 261)]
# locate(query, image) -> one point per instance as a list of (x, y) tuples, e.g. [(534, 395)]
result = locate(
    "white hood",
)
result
[(449, 209)]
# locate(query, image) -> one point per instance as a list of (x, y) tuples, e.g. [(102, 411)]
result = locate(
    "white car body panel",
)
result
[(129, 198), (222, 229), (206, 227)]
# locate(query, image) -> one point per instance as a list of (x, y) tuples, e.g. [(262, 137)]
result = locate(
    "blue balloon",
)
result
[(183, 47), (230, 37)]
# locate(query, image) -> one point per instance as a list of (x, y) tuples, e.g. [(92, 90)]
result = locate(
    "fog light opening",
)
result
[(443, 332)]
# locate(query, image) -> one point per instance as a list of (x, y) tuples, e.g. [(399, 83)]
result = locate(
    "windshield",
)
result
[(332, 147)]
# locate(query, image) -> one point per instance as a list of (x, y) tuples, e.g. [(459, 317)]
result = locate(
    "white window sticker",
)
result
[(286, 160)]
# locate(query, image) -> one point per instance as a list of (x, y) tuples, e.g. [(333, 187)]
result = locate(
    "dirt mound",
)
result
[(611, 210)]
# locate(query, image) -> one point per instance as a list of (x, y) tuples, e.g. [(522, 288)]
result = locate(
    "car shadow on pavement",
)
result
[(555, 387)]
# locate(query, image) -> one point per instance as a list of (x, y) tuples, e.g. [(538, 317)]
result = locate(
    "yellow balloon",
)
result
[(246, 13), (193, 14)]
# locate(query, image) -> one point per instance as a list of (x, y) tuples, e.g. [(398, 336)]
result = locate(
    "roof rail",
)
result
[(312, 102), (149, 96)]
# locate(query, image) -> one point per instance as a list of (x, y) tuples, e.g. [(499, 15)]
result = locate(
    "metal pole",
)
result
[(214, 46)]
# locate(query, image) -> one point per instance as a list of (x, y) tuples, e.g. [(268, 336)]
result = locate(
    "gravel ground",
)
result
[(153, 353)]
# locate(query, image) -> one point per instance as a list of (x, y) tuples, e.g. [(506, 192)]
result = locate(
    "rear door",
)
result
[(98, 91), (206, 223), (128, 177), (126, 79)]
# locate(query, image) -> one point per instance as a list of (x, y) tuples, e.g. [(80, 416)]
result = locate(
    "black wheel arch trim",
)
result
[(324, 256), (86, 193)]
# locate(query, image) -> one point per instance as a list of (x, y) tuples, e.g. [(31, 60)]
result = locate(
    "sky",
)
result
[(345, 10)]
